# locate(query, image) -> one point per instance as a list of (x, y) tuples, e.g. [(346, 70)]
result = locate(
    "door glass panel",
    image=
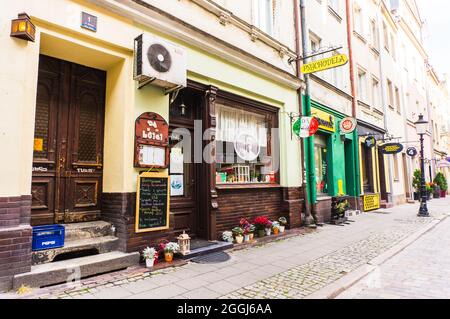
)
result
[(87, 139), (41, 122)]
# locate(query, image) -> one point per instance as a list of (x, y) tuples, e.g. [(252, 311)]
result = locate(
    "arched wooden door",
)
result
[(68, 143)]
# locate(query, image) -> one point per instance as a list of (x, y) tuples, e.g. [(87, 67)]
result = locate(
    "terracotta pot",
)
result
[(276, 231), (261, 233), (239, 239), (443, 193), (168, 257), (282, 229), (247, 237), (149, 262)]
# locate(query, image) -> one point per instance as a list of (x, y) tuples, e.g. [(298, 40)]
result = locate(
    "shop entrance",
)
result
[(186, 175), (68, 143)]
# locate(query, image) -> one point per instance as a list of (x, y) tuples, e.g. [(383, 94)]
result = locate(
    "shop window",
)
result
[(321, 164), (243, 152), (366, 169)]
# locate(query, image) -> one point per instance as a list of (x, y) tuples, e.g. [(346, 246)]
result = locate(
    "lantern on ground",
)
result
[(23, 28), (184, 241)]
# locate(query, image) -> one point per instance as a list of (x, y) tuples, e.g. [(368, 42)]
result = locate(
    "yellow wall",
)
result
[(110, 49)]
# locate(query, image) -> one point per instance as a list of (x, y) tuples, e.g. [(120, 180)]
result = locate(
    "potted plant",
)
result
[(169, 249), (247, 234), (150, 254), (227, 236), (268, 228), (417, 176), (283, 223), (238, 234), (275, 227), (436, 190), (251, 231), (429, 188), (260, 223), (440, 180)]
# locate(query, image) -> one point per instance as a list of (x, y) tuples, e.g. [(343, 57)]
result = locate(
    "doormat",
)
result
[(213, 258), (200, 243)]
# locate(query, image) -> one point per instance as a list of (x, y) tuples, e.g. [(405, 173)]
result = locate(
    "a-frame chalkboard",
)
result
[(152, 202)]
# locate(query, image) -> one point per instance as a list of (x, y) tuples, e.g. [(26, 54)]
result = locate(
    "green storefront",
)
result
[(331, 162)]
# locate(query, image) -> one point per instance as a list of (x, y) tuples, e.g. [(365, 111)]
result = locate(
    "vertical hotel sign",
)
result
[(326, 120)]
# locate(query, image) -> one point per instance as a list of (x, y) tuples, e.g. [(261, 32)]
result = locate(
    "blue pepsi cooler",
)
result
[(47, 237)]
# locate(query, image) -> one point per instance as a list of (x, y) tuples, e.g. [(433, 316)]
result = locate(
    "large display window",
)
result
[(321, 164)]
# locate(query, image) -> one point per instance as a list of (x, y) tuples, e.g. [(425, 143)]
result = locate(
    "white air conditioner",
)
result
[(159, 62)]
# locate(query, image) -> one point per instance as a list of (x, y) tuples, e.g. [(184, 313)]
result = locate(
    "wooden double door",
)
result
[(68, 143)]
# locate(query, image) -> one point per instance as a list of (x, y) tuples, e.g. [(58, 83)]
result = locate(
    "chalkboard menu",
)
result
[(152, 202)]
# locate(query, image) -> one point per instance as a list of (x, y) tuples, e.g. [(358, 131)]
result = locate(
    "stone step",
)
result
[(99, 245), (215, 247), (62, 271), (385, 204), (87, 230)]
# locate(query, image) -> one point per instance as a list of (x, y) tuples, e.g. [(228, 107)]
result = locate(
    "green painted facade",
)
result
[(342, 158)]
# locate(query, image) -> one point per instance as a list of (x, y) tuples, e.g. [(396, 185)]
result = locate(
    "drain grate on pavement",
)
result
[(213, 258)]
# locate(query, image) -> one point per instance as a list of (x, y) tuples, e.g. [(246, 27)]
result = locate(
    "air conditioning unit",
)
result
[(159, 62)]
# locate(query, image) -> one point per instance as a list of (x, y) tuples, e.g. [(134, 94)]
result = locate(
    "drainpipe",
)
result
[(353, 93), (300, 112), (311, 218), (384, 101)]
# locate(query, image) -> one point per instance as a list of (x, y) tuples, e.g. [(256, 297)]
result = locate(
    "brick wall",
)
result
[(15, 238), (235, 204)]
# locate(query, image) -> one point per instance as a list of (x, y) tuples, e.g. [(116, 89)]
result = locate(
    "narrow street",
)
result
[(300, 266)]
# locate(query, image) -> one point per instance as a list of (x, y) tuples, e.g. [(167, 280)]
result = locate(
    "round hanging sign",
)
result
[(347, 125), (411, 151), (305, 126), (370, 141), (246, 146), (390, 148)]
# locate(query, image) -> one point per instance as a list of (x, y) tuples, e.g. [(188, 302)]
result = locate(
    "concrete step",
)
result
[(385, 204), (215, 247), (70, 270), (87, 230), (98, 245)]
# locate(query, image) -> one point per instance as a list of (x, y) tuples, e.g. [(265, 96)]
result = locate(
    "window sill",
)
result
[(375, 50), (358, 35), (247, 185), (335, 14)]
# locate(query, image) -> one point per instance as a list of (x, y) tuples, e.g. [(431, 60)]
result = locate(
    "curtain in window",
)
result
[(232, 121)]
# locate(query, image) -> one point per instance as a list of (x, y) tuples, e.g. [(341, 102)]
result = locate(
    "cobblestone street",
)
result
[(291, 268)]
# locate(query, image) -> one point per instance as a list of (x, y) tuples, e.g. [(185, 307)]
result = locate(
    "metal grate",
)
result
[(87, 147), (213, 258)]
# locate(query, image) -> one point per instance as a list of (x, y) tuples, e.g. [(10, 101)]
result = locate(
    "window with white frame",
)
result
[(334, 4), (385, 37), (375, 92), (315, 43), (374, 34), (263, 15), (362, 85), (390, 94), (397, 100), (393, 53), (358, 21)]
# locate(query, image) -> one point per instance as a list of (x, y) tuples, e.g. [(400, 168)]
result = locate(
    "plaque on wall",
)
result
[(151, 141), (152, 202)]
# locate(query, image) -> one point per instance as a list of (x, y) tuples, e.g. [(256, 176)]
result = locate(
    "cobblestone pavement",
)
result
[(288, 268), (421, 270)]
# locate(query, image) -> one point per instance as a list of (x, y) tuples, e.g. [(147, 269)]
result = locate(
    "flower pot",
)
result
[(230, 239), (282, 229), (443, 193), (251, 236), (261, 233), (168, 256), (239, 239), (247, 237), (268, 231), (276, 231), (149, 262), (416, 196)]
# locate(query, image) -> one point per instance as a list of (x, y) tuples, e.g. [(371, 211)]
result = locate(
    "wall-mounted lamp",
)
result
[(182, 108), (22, 28)]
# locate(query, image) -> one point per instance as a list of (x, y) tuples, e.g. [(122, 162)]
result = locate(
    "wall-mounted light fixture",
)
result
[(22, 27), (183, 108)]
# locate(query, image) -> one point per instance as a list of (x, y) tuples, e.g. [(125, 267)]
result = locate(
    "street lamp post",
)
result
[(421, 128)]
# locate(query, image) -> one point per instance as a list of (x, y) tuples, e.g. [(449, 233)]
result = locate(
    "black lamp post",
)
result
[(421, 128)]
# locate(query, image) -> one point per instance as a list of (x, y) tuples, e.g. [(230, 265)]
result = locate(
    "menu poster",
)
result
[(176, 185), (176, 161), (152, 202)]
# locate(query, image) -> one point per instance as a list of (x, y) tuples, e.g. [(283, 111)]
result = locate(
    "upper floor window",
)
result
[(358, 20), (315, 44), (375, 92), (393, 46), (334, 4), (362, 85), (385, 37), (390, 94), (374, 34), (263, 17), (397, 100)]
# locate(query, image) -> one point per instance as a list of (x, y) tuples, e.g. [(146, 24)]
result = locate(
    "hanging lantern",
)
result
[(184, 241), (22, 27)]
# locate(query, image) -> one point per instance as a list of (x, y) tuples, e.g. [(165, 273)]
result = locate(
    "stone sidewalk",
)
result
[(290, 268), (420, 271)]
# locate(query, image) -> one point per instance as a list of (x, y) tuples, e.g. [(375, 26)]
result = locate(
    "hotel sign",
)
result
[(326, 120), (390, 148), (325, 64), (371, 202)]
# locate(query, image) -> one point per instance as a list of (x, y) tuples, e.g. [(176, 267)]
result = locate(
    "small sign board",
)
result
[(347, 125), (325, 120), (370, 141), (390, 148), (88, 21), (152, 202), (38, 144), (325, 64), (305, 126), (371, 202), (411, 151)]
